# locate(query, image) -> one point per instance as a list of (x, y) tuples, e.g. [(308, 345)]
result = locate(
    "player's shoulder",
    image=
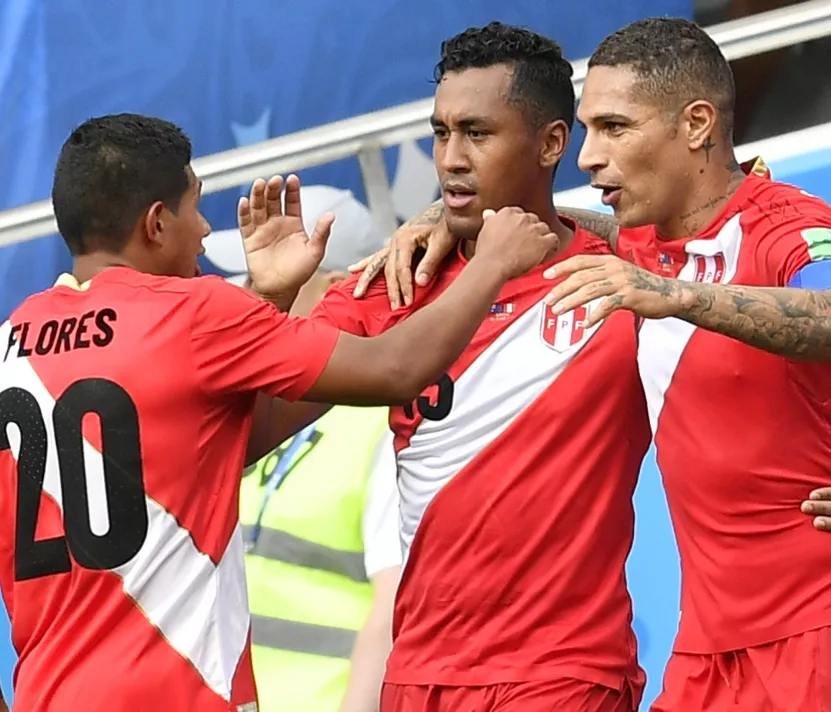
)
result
[(591, 244), (773, 204)]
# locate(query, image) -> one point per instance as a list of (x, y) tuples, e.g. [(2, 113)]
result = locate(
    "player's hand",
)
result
[(397, 261), (281, 256), (517, 240), (818, 505), (624, 286)]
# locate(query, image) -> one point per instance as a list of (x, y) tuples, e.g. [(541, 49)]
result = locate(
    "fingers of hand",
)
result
[(393, 292), (274, 197), (244, 221), (259, 211), (404, 269), (570, 285), (822, 523), (818, 509), (582, 295), (294, 205), (320, 235), (572, 265), (361, 265), (823, 493), (436, 252), (606, 307), (374, 266)]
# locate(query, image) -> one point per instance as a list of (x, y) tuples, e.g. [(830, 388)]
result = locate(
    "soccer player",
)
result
[(126, 397), (729, 271), (515, 470)]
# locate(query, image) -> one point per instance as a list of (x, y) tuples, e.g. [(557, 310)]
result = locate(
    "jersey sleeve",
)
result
[(379, 526), (788, 244), (241, 344), (362, 317)]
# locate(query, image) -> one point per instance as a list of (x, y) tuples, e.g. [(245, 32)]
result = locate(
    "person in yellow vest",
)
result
[(323, 549)]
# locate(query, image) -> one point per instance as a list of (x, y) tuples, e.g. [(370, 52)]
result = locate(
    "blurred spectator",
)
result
[(323, 547)]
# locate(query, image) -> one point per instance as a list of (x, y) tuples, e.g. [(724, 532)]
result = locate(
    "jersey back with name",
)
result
[(120, 551), (516, 472)]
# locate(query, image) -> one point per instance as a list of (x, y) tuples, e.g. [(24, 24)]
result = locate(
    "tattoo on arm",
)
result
[(433, 215), (795, 323), (604, 226)]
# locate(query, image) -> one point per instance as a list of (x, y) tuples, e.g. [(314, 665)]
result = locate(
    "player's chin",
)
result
[(631, 214), (464, 227)]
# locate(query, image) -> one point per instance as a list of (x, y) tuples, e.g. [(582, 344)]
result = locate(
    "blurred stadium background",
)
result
[(244, 77)]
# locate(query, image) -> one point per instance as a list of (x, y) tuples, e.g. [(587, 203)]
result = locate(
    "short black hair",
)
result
[(541, 83), (677, 61), (110, 170)]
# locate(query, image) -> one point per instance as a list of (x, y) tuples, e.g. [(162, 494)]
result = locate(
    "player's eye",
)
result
[(615, 128)]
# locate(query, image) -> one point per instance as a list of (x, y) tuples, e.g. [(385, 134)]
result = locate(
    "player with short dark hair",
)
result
[(730, 275), (676, 62), (726, 260), (541, 84), (108, 172), (516, 513), (126, 399)]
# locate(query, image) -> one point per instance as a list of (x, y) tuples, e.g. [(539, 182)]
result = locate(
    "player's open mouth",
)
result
[(456, 199), (610, 194)]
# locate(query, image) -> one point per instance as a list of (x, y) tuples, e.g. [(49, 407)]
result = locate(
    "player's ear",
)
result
[(553, 142), (699, 123), (154, 222)]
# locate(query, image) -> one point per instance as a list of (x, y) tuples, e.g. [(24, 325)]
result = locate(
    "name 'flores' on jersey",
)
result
[(508, 365)]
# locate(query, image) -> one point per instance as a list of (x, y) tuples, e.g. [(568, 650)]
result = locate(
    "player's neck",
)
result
[(85, 267), (558, 227), (712, 186)]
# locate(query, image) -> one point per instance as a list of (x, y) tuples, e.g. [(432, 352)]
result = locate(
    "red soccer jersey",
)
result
[(742, 436), (124, 414), (516, 472)]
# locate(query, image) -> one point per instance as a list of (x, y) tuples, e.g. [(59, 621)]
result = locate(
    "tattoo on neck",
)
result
[(708, 146), (692, 220)]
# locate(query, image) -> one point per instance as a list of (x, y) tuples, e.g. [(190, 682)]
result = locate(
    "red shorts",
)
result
[(790, 675), (559, 695)]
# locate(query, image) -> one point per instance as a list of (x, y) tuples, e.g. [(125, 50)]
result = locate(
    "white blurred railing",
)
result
[(367, 135)]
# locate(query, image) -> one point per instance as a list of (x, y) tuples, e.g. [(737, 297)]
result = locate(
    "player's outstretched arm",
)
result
[(791, 322), (397, 365)]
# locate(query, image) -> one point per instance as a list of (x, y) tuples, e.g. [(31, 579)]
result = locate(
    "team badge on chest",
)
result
[(562, 332)]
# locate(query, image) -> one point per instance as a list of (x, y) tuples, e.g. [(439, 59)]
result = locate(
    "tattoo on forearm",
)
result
[(604, 226), (433, 215), (795, 323)]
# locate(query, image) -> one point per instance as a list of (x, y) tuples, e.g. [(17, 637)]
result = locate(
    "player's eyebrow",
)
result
[(464, 123), (609, 117)]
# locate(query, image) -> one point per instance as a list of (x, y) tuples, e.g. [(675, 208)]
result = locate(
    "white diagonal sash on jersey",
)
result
[(199, 608), (501, 383), (662, 341)]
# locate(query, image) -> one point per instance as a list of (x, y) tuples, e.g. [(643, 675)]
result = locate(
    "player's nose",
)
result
[(592, 157), (454, 158)]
